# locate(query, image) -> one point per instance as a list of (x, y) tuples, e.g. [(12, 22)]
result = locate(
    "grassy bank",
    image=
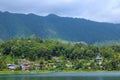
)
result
[(46, 71)]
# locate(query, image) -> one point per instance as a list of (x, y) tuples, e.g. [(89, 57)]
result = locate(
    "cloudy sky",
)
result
[(97, 10)]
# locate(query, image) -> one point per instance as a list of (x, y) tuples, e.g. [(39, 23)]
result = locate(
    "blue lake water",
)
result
[(64, 76)]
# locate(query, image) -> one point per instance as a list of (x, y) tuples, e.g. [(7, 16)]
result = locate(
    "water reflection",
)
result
[(63, 76)]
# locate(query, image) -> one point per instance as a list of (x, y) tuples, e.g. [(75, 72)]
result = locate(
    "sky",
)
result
[(96, 10)]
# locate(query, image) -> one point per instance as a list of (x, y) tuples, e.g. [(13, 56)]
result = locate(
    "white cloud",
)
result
[(98, 10)]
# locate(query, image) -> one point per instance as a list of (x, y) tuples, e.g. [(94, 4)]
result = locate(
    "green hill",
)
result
[(13, 25)]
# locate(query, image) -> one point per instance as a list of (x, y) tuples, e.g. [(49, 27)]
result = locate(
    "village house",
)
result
[(24, 64), (11, 67), (99, 59)]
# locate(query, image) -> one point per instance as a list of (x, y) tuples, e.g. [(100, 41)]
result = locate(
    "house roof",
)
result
[(99, 58)]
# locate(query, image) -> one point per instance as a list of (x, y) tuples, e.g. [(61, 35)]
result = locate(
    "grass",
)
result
[(43, 71), (24, 72), (13, 72)]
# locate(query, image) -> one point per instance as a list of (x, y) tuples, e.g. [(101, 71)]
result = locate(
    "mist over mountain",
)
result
[(14, 25)]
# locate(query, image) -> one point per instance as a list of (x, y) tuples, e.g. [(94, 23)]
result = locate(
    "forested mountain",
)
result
[(13, 25)]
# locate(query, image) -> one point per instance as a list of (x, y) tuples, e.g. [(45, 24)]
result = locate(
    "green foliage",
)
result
[(2, 62), (57, 55)]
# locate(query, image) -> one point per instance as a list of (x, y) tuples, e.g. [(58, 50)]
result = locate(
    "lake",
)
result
[(64, 76)]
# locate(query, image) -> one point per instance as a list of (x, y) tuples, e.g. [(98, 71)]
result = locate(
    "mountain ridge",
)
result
[(15, 25)]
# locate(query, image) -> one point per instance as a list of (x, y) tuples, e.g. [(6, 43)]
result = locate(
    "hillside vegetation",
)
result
[(13, 25), (56, 55)]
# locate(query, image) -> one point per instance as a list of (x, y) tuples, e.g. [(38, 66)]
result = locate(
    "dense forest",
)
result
[(59, 55)]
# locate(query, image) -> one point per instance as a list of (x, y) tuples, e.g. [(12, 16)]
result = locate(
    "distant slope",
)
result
[(52, 26)]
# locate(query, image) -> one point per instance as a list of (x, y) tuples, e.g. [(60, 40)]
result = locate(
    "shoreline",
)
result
[(46, 72)]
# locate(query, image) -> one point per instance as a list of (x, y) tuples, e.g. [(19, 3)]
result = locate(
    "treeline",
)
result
[(107, 43), (57, 55)]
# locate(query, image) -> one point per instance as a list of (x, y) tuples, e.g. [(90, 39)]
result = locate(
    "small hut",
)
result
[(24, 64), (12, 67), (99, 59)]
